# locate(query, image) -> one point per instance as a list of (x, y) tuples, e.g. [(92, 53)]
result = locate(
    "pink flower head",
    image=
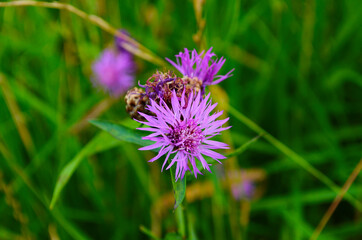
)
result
[(201, 66), (114, 72), (184, 128)]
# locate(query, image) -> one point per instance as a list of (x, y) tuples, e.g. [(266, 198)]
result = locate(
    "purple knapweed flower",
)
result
[(114, 71), (184, 128), (201, 66)]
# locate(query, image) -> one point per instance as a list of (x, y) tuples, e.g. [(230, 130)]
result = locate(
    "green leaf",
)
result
[(179, 188), (121, 133), (101, 142)]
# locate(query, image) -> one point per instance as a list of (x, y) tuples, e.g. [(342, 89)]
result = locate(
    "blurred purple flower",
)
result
[(114, 71), (201, 66), (243, 189), (242, 186), (184, 129)]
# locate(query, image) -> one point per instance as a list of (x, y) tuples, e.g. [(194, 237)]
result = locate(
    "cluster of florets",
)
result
[(184, 129), (198, 71), (160, 85), (179, 115), (174, 107), (136, 101)]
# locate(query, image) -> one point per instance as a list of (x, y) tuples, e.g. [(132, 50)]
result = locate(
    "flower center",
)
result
[(187, 135)]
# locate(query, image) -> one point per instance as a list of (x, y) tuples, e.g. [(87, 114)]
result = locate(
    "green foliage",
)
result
[(99, 143), (179, 188), (120, 132), (173, 236), (297, 77)]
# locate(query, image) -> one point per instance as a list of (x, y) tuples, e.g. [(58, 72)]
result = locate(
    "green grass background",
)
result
[(297, 74)]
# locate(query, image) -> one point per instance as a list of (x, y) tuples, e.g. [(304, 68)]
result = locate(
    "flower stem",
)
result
[(180, 219)]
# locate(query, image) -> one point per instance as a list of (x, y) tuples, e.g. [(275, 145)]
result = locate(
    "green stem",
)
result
[(293, 155), (243, 147), (179, 188), (180, 218)]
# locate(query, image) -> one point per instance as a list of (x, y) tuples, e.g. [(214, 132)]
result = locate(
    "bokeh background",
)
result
[(297, 75)]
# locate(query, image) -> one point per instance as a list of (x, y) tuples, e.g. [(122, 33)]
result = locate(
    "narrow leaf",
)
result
[(120, 132), (179, 188), (99, 143), (244, 147)]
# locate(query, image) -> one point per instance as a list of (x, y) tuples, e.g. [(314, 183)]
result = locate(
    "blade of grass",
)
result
[(347, 230), (191, 227), (305, 228), (198, 37), (148, 232), (336, 201), (243, 147), (130, 44), (6, 234), (138, 165), (312, 197), (17, 115), (293, 156), (316, 157), (306, 49), (95, 112), (17, 170), (72, 230), (100, 142), (28, 98), (247, 59)]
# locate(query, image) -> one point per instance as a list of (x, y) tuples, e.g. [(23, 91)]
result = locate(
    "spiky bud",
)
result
[(136, 101)]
